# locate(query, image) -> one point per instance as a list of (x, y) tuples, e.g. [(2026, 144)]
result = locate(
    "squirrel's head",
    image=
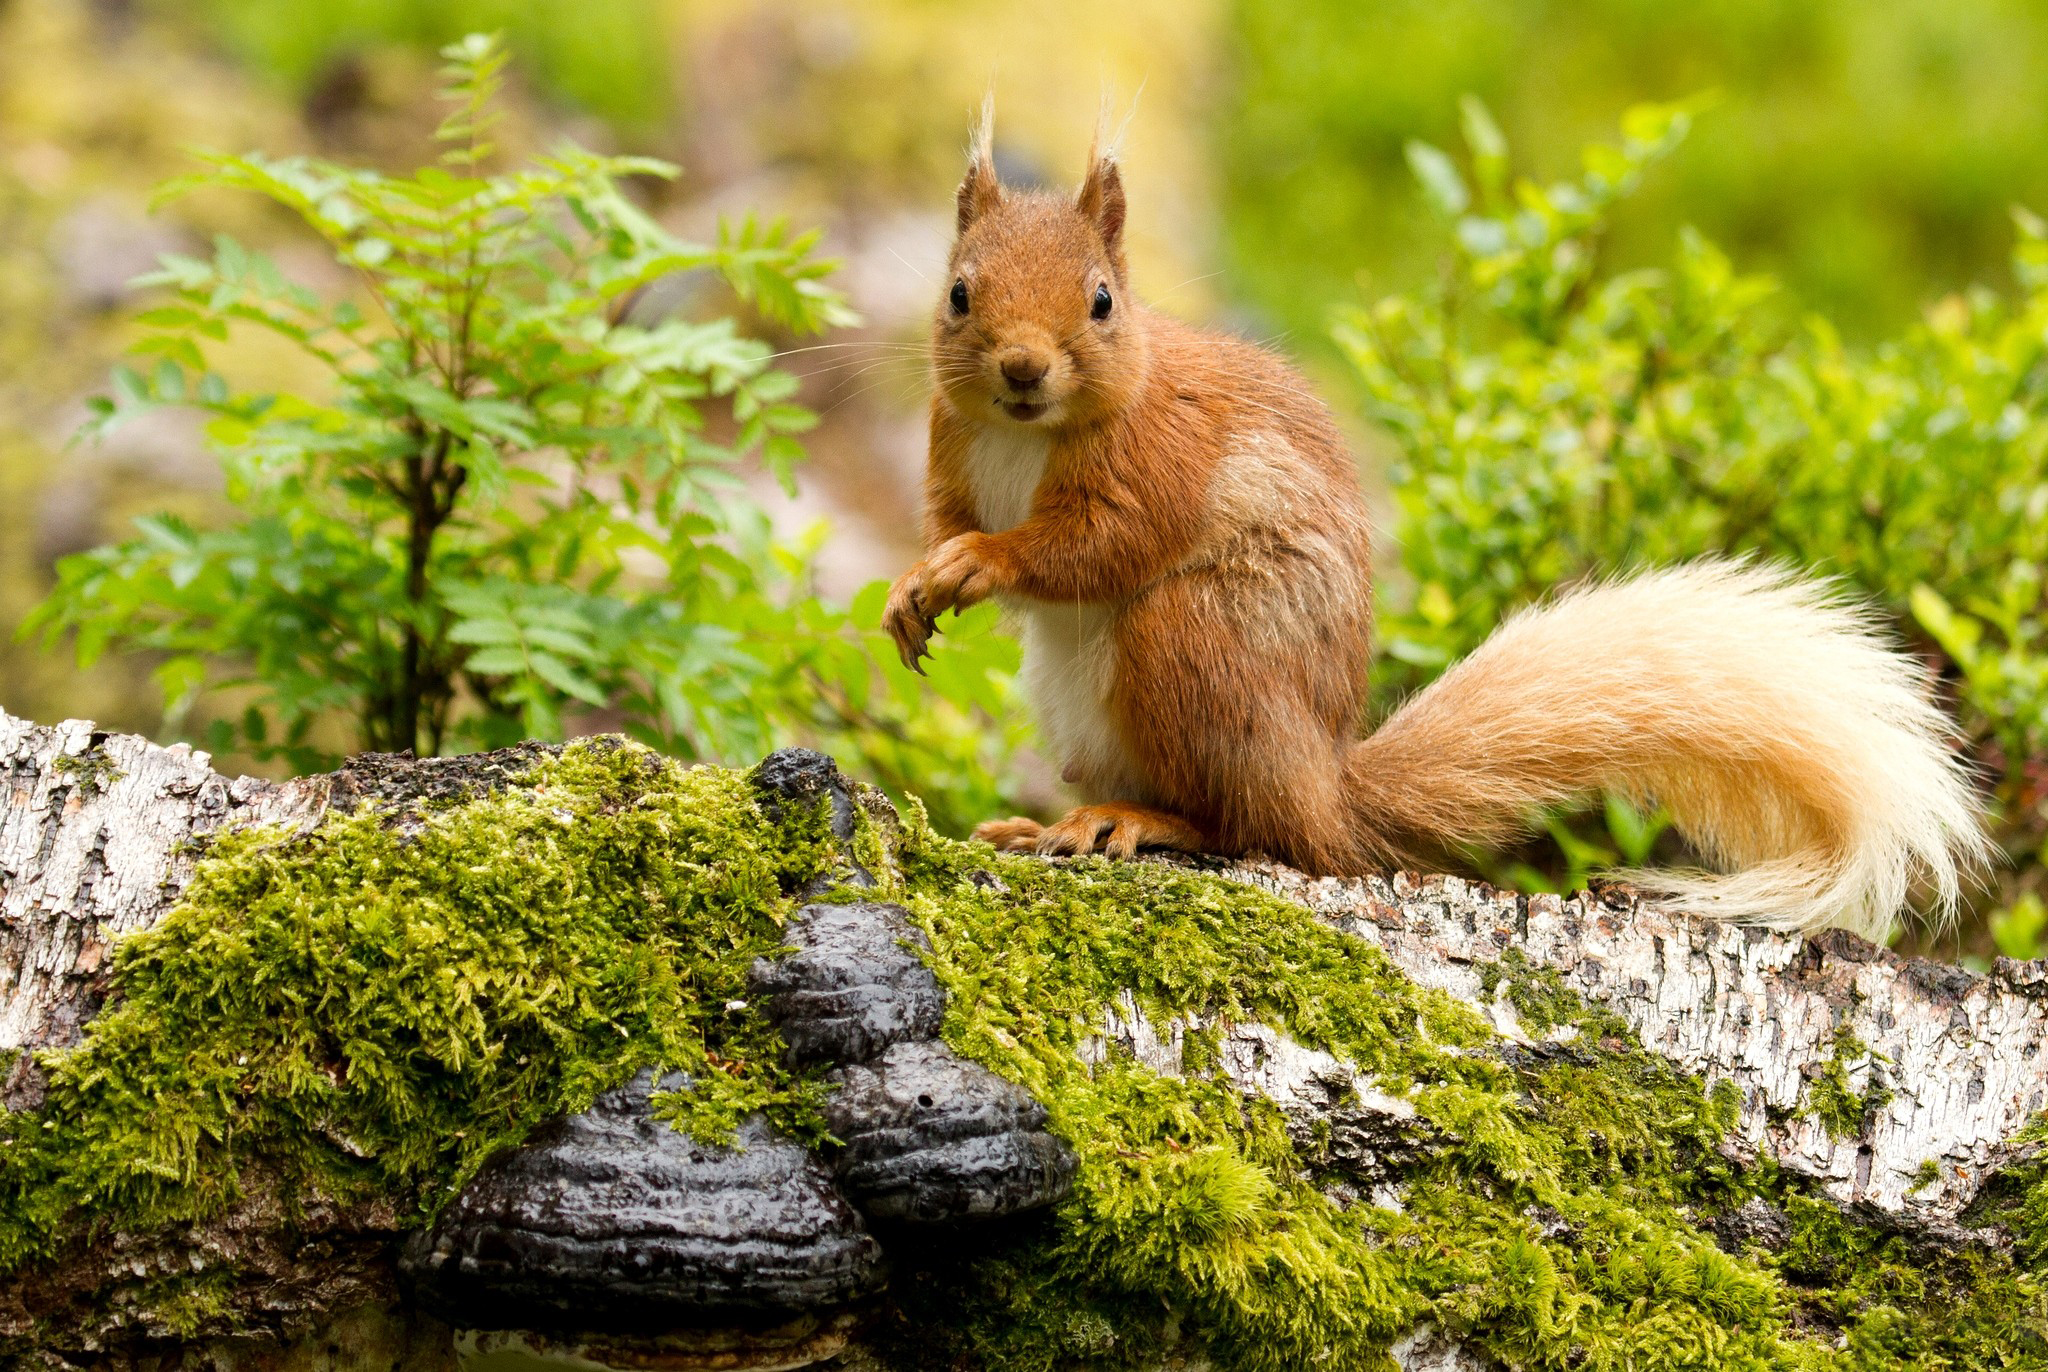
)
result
[(1035, 326)]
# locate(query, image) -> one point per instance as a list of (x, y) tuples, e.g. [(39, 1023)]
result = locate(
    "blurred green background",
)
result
[(1866, 156)]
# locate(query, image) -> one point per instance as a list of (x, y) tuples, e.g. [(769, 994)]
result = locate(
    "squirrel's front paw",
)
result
[(964, 571), (905, 621), (961, 573)]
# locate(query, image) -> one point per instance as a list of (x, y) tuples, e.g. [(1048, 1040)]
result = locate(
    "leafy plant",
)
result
[(515, 505), (1552, 421)]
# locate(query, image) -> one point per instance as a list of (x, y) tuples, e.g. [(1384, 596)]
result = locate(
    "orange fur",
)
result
[(1118, 830), (1177, 522)]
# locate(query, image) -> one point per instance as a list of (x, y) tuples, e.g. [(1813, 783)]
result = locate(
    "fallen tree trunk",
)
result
[(1817, 1088)]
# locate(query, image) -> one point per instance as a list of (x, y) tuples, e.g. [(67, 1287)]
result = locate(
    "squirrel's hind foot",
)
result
[(1117, 830)]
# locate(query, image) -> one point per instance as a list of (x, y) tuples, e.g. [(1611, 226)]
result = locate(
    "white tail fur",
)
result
[(1796, 751)]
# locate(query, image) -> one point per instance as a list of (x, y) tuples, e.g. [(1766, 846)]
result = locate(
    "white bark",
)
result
[(95, 833)]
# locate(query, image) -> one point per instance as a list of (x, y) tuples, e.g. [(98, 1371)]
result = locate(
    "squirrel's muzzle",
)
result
[(1023, 368)]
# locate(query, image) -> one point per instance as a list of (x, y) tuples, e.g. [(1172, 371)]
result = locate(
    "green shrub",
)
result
[(1863, 153), (1552, 421), (512, 506)]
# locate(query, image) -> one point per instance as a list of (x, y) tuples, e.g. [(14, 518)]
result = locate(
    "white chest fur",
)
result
[(1069, 650), (1004, 467), (1070, 658)]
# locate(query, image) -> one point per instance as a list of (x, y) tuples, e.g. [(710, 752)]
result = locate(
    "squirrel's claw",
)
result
[(912, 644), (906, 622), (1117, 830)]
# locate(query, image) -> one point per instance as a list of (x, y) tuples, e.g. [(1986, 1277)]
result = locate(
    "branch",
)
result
[(1893, 1091)]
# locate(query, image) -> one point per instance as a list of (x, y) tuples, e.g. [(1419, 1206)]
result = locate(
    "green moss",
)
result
[(2017, 1198), (1892, 1306), (374, 1009), (188, 1302), (1558, 1222), (1541, 1000), (1831, 1100), (91, 771), (1201, 1052), (869, 849)]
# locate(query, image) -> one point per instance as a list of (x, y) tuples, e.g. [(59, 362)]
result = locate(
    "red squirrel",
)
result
[(1177, 523)]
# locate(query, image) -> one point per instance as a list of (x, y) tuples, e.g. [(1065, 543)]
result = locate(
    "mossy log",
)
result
[(305, 1075)]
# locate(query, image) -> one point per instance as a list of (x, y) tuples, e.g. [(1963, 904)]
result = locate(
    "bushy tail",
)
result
[(1797, 752)]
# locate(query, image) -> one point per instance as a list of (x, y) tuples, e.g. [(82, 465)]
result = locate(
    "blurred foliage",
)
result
[(1554, 420), (87, 126), (514, 506), (605, 56), (1863, 153)]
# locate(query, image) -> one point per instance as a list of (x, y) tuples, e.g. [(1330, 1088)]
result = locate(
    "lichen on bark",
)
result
[(349, 1018)]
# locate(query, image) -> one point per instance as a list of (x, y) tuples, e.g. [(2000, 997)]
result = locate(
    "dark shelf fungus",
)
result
[(929, 1135), (853, 986), (932, 1137), (615, 1220)]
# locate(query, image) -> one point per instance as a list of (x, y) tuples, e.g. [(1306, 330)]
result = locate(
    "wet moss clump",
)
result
[(2016, 1200), (371, 1010), (1893, 1305)]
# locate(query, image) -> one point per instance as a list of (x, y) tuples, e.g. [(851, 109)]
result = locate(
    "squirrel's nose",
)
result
[(1023, 370)]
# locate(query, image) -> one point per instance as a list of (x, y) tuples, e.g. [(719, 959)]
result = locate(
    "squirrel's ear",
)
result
[(1102, 201), (978, 194), (979, 190)]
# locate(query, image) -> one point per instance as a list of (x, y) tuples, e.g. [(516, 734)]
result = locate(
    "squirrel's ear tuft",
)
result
[(1102, 202), (980, 191)]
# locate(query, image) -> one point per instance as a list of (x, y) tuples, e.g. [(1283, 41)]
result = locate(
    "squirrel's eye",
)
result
[(1100, 309), (959, 297)]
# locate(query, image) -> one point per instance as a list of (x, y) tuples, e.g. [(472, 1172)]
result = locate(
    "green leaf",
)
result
[(492, 631), (563, 677), (2018, 931), (1633, 832), (1488, 146), (1438, 175), (510, 661), (1957, 633)]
